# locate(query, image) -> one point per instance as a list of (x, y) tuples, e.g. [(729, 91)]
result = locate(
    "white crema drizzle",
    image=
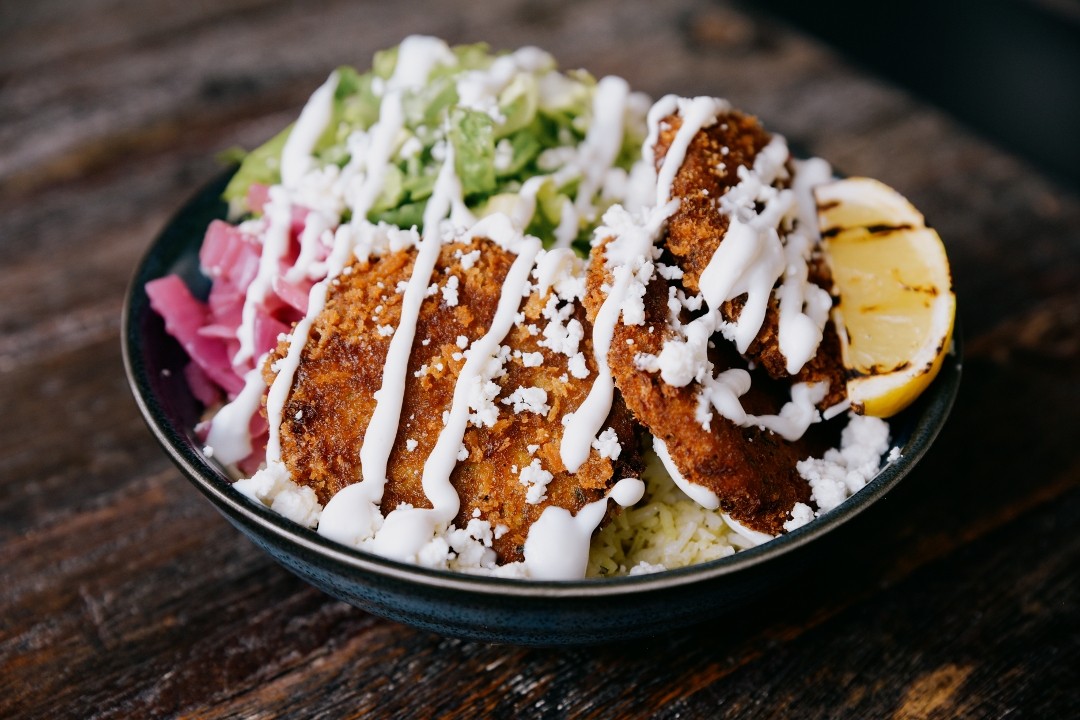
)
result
[(598, 152), (353, 515), (406, 530), (632, 243), (382, 428), (558, 543), (750, 259), (296, 160), (557, 547)]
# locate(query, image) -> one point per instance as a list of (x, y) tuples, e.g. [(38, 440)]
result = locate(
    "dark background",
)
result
[(1010, 69)]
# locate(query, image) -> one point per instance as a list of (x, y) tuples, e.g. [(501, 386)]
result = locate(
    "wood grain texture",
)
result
[(124, 594)]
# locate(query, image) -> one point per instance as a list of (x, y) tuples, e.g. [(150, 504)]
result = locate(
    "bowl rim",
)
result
[(932, 410)]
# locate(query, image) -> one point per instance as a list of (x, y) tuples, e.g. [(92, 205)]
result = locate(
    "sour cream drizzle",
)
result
[(700, 494), (382, 428), (229, 438), (804, 307), (633, 241), (406, 530), (557, 547), (275, 243), (602, 141), (417, 56), (696, 114), (750, 259), (296, 160), (375, 162), (296, 157)]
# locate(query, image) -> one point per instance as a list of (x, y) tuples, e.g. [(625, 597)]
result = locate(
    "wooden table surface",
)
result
[(124, 594)]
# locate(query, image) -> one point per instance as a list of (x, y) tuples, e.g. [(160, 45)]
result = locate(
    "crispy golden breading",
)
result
[(751, 470), (696, 229), (707, 172), (332, 398)]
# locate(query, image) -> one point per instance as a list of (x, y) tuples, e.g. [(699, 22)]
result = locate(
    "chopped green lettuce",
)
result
[(472, 135), (260, 166), (495, 151)]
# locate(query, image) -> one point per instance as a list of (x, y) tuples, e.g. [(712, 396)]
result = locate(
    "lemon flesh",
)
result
[(897, 308)]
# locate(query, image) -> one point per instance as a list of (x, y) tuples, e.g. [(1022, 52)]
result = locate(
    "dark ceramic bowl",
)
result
[(483, 608)]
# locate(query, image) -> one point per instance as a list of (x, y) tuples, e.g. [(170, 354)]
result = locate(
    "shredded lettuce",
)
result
[(496, 149), (260, 166), (472, 135)]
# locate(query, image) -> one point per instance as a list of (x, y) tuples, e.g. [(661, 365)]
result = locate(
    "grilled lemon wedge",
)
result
[(897, 306)]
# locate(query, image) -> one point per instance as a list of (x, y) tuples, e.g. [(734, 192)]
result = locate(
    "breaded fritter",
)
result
[(751, 470), (333, 395), (709, 169), (696, 228)]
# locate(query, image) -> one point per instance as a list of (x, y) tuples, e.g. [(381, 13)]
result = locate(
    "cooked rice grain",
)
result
[(665, 530)]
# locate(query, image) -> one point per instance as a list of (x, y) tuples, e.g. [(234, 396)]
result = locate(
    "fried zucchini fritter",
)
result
[(696, 229), (333, 394), (751, 470)]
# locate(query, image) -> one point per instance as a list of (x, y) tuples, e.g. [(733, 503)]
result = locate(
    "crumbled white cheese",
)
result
[(468, 260), (533, 359), (411, 444), (800, 515), (577, 366), (844, 471), (482, 391), (450, 291), (528, 399), (607, 444), (647, 362), (560, 337), (273, 487), (633, 305), (536, 479), (385, 330), (669, 272)]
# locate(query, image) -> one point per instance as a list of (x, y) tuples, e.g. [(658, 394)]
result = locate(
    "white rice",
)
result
[(668, 530)]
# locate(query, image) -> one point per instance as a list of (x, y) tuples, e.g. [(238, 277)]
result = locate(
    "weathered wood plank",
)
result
[(125, 594)]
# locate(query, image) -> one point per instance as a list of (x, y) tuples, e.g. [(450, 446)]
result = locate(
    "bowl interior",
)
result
[(154, 362)]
